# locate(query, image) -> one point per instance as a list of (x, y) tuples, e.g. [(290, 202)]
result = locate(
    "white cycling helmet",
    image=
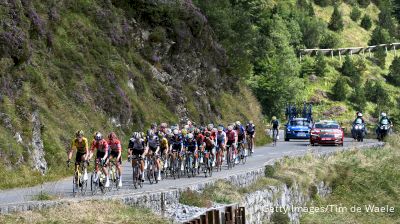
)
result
[(176, 132), (136, 135), (383, 114), (360, 114), (98, 136), (237, 123), (190, 136), (230, 128)]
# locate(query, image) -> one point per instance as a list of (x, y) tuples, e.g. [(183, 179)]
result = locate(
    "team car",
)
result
[(327, 132), (297, 128)]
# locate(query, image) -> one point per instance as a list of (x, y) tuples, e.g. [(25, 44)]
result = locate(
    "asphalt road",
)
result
[(262, 155)]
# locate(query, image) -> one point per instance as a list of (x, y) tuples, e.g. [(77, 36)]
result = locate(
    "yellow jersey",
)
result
[(80, 146)]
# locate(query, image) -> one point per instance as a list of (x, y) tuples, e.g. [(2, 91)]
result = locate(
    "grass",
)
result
[(43, 196), (86, 212)]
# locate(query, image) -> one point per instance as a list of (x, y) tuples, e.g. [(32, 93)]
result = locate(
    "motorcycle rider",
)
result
[(359, 117), (383, 121)]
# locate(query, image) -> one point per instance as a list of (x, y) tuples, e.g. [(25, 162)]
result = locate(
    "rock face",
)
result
[(37, 153), (260, 205)]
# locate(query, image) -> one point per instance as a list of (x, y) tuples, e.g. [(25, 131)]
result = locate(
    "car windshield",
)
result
[(323, 126), (299, 123)]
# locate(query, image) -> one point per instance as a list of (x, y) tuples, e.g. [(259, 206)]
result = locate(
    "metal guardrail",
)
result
[(350, 50), (232, 215)]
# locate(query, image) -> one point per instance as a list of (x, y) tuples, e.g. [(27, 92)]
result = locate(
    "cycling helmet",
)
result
[(237, 123), (190, 136), (112, 136), (163, 125), (186, 127), (184, 131), (153, 125), (176, 132), (136, 135), (170, 135), (160, 134), (79, 133), (360, 114), (210, 127), (220, 128), (197, 131), (250, 122), (273, 118), (230, 128), (98, 136), (214, 129), (383, 114)]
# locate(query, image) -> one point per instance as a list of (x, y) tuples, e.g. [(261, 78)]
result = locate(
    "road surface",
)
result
[(262, 155)]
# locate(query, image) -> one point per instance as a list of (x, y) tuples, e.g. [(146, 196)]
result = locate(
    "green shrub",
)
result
[(193, 198), (269, 171), (394, 72), (355, 14), (336, 23), (280, 218), (366, 22), (329, 40), (340, 90)]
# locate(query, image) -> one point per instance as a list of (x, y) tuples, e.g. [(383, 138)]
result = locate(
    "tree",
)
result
[(366, 22), (323, 3), (394, 72), (355, 14), (312, 30), (380, 56), (320, 65), (340, 90), (336, 23), (329, 40), (358, 98), (385, 18), (364, 3), (379, 36), (350, 70)]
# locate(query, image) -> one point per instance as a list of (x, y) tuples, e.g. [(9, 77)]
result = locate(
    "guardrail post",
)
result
[(203, 219), (217, 217)]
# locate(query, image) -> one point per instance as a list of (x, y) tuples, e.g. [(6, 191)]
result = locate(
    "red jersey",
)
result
[(101, 145), (231, 135), (115, 145)]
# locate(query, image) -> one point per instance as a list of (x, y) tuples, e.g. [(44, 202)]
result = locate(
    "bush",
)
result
[(380, 56), (394, 72), (355, 14), (280, 218), (193, 198), (329, 40), (340, 90), (320, 65), (364, 3), (269, 171), (323, 3), (380, 36), (336, 23), (358, 97), (366, 22)]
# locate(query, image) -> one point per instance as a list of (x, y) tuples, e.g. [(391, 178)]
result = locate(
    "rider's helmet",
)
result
[(214, 129), (274, 118), (383, 114), (237, 123), (359, 114), (210, 127), (153, 125), (160, 135), (250, 122), (184, 132), (135, 135), (196, 131), (190, 136), (230, 128), (112, 136), (176, 132), (79, 133), (98, 136), (220, 128)]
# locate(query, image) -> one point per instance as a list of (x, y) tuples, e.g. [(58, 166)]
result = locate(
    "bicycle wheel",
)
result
[(74, 185), (94, 183)]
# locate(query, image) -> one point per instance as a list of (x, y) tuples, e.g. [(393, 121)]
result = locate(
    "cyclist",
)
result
[(191, 146), (199, 137), (251, 134), (241, 135), (175, 146), (153, 144), (137, 148), (232, 139), (208, 143), (115, 151), (275, 125), (221, 140), (164, 147), (101, 146), (80, 144)]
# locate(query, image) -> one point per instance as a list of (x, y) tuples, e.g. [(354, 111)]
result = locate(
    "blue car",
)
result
[(297, 128)]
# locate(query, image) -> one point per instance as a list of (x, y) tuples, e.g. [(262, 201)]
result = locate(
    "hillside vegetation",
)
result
[(107, 66), (266, 36)]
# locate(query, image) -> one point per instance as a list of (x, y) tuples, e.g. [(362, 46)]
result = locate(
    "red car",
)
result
[(326, 133)]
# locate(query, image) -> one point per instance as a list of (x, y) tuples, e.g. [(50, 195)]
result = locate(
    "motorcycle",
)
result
[(383, 131), (359, 132)]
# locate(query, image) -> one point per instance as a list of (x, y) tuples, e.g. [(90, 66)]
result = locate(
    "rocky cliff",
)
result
[(106, 65)]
